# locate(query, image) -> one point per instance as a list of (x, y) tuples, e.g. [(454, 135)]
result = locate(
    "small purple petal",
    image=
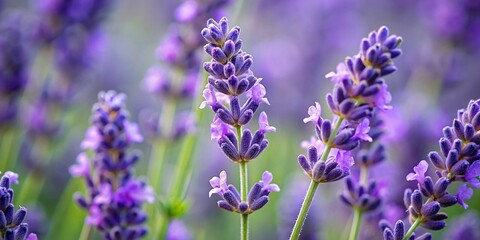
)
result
[(361, 132), (419, 172), (314, 112), (263, 122), (472, 175), (464, 193), (82, 168)]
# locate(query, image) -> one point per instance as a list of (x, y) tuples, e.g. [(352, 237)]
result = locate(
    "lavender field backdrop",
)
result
[(128, 119)]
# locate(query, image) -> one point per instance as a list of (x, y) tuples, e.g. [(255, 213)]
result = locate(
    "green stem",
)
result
[(243, 193), (412, 228), (357, 219), (85, 232), (304, 210), (313, 186), (159, 147)]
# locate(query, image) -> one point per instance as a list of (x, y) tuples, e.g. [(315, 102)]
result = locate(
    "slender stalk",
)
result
[(357, 219), (159, 147), (243, 193), (156, 163), (7, 148), (85, 234), (313, 186), (412, 228), (304, 210)]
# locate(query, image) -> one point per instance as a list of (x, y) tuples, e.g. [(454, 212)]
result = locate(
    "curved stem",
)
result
[(357, 219), (304, 210), (412, 228), (85, 232)]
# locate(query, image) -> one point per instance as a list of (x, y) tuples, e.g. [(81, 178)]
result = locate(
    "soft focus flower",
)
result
[(187, 11), (134, 192), (178, 231), (344, 160), (133, 132), (12, 176), (82, 168), (92, 139)]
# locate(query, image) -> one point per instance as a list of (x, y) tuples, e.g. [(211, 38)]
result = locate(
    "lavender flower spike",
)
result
[(458, 161), (230, 78), (359, 91), (115, 197)]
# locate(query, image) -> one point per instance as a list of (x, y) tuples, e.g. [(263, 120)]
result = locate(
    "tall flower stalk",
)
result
[(456, 162), (231, 80), (179, 53), (115, 197), (359, 90)]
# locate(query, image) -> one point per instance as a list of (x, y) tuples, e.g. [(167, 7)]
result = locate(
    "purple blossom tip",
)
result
[(155, 81), (464, 193), (472, 175), (133, 132), (314, 112), (418, 172), (32, 236), (92, 139), (218, 129), (315, 142), (344, 160), (187, 11), (361, 132), (340, 74), (263, 123), (267, 178), (82, 168), (257, 93), (13, 177), (219, 184)]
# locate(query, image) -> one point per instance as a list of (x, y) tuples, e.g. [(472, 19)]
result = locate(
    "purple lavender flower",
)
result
[(464, 193), (464, 227), (115, 197), (12, 225), (178, 231), (14, 65), (231, 200), (458, 162)]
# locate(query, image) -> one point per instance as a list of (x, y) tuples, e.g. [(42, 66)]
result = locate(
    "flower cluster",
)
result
[(231, 78), (398, 232), (11, 221), (115, 196), (458, 162), (359, 90), (257, 197), (71, 29), (13, 66)]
